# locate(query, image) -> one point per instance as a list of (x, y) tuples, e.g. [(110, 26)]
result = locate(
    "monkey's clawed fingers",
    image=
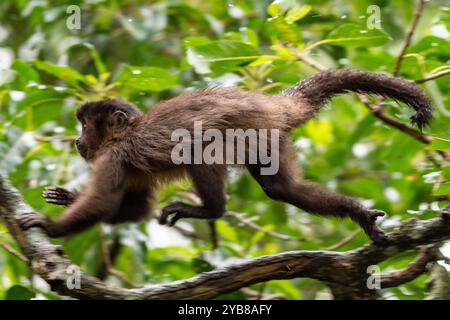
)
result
[(32, 219), (374, 214), (59, 196), (175, 210)]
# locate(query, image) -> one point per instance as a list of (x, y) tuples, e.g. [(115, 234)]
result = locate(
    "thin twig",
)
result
[(14, 252), (255, 295), (106, 259), (344, 241), (261, 291), (244, 221), (188, 233), (248, 223), (309, 61), (409, 36), (378, 112), (42, 138), (434, 76)]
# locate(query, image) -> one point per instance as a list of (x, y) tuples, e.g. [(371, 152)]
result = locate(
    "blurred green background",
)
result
[(145, 51)]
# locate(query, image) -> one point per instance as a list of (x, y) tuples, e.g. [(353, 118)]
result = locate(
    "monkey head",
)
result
[(100, 122)]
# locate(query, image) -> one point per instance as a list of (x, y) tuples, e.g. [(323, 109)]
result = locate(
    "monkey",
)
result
[(131, 152)]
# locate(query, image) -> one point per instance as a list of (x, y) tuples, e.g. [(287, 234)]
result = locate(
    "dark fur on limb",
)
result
[(344, 272)]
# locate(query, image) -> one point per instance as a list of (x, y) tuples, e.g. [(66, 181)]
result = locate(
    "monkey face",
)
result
[(102, 121), (90, 139)]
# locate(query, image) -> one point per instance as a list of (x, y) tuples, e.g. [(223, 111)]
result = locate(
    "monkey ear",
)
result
[(118, 120)]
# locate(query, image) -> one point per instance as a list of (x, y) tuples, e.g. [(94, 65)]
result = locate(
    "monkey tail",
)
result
[(320, 87)]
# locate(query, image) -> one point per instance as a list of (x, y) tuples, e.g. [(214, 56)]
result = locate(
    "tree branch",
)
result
[(415, 269), (344, 272), (344, 241), (406, 43), (12, 251), (434, 76), (380, 114)]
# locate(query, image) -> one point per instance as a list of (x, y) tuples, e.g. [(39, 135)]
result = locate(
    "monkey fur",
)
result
[(131, 152)]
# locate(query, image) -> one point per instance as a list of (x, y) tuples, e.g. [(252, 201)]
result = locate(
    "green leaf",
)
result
[(146, 78), (278, 30), (439, 144), (442, 190), (432, 46), (297, 13), (41, 96), (286, 288), (274, 9), (220, 56), (195, 41), (201, 265), (356, 35), (99, 65), (25, 70), (226, 231), (136, 29), (65, 73), (18, 292)]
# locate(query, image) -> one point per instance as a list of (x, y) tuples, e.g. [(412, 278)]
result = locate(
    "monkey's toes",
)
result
[(374, 214), (378, 236), (173, 210), (372, 230), (163, 218)]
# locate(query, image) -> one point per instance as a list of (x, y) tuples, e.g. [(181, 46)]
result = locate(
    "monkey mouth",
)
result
[(83, 152)]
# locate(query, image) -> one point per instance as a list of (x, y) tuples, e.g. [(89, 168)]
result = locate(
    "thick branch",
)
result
[(344, 272), (415, 269)]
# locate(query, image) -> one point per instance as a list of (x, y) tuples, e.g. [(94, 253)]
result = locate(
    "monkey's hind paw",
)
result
[(373, 231), (59, 196), (378, 236), (374, 214)]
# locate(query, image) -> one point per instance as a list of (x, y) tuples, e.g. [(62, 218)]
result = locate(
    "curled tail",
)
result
[(324, 85)]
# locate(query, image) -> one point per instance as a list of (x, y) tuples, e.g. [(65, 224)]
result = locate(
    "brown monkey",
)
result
[(131, 152)]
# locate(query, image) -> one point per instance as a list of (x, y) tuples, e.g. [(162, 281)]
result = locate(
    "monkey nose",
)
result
[(77, 142)]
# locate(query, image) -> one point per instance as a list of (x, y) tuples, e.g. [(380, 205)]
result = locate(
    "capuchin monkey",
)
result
[(132, 151)]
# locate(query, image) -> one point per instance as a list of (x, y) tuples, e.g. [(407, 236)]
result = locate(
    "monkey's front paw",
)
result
[(175, 210), (373, 231), (33, 219), (59, 196)]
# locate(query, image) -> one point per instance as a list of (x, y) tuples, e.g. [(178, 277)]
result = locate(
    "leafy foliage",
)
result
[(144, 52)]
